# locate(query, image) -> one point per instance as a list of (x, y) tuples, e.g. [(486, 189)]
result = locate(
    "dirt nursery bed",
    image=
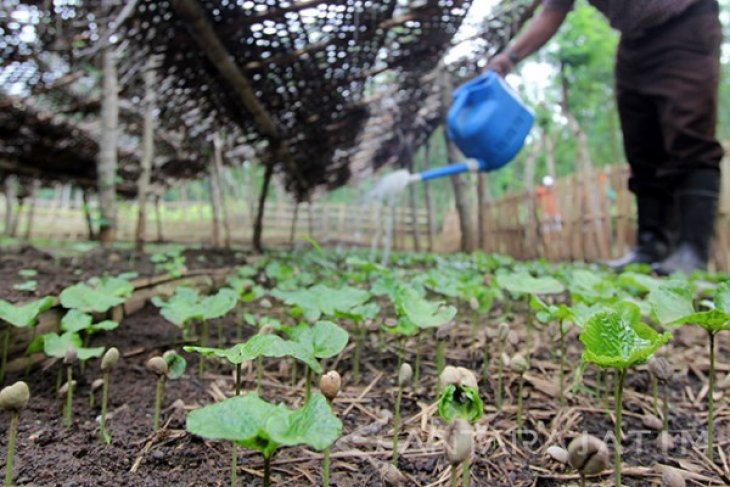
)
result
[(48, 454)]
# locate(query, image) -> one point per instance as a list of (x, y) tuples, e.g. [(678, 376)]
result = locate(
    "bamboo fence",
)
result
[(192, 223)]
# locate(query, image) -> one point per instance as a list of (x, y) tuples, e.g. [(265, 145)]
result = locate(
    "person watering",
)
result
[(667, 77)]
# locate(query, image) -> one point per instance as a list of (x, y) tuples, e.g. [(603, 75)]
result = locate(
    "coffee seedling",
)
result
[(108, 361), (17, 316), (673, 305), (405, 375), (13, 399), (329, 384), (253, 423), (618, 339), (158, 366), (459, 447), (519, 366), (588, 455), (460, 395)]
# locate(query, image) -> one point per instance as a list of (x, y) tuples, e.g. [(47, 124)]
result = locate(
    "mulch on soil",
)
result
[(50, 455)]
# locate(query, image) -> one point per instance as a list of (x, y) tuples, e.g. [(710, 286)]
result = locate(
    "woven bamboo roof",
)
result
[(324, 90)]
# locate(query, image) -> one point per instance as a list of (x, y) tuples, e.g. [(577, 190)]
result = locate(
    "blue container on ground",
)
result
[(488, 122)]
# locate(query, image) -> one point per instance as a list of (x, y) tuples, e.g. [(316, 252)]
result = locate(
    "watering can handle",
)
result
[(462, 95)]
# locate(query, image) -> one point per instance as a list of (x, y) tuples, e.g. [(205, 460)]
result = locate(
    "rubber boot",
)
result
[(697, 200), (652, 242)]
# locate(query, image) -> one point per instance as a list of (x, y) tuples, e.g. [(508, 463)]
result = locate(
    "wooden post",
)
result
[(107, 164), (531, 231), (220, 189), (148, 153), (258, 224)]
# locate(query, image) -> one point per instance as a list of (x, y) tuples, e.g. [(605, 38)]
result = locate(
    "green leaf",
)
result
[(524, 283), (722, 297), (422, 313), (176, 364), (27, 272), (403, 327), (321, 300), (106, 325), (24, 316), (671, 301), (26, 287), (76, 321), (640, 282), (460, 402), (712, 321), (55, 345), (323, 340), (313, 425), (220, 304), (258, 425), (260, 346), (89, 300), (611, 340), (114, 286)]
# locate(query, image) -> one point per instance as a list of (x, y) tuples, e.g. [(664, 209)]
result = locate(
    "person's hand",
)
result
[(501, 64)]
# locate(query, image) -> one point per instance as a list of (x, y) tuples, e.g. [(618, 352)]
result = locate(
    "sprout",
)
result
[(158, 366), (108, 361), (68, 361), (17, 316), (13, 399), (405, 374), (662, 371), (329, 384), (519, 365), (459, 447), (502, 335), (588, 455)]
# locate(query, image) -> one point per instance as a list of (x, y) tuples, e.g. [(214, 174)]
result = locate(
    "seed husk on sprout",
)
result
[(588, 455), (13, 399), (158, 366), (661, 371), (330, 385)]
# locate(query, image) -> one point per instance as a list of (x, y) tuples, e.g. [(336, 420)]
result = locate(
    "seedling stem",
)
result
[(562, 365), (105, 437), (619, 394), (711, 403), (11, 449), (68, 410), (238, 379), (158, 402), (234, 465), (396, 425)]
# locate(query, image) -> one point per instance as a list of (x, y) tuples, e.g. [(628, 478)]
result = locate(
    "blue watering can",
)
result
[(488, 123)]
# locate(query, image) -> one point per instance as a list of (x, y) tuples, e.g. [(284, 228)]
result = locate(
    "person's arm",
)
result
[(540, 30)]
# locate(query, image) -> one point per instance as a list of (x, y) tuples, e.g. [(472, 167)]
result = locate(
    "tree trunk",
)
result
[(35, 186), (258, 226), (481, 214), (293, 232), (531, 234), (148, 154), (107, 165), (221, 229), (429, 199), (469, 237), (87, 215), (11, 200), (215, 202), (158, 218), (549, 153)]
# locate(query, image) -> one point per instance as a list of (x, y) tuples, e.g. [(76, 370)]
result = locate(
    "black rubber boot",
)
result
[(652, 241), (697, 200)]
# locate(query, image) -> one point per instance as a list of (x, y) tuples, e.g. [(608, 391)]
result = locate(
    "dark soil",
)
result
[(48, 454), (54, 273)]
